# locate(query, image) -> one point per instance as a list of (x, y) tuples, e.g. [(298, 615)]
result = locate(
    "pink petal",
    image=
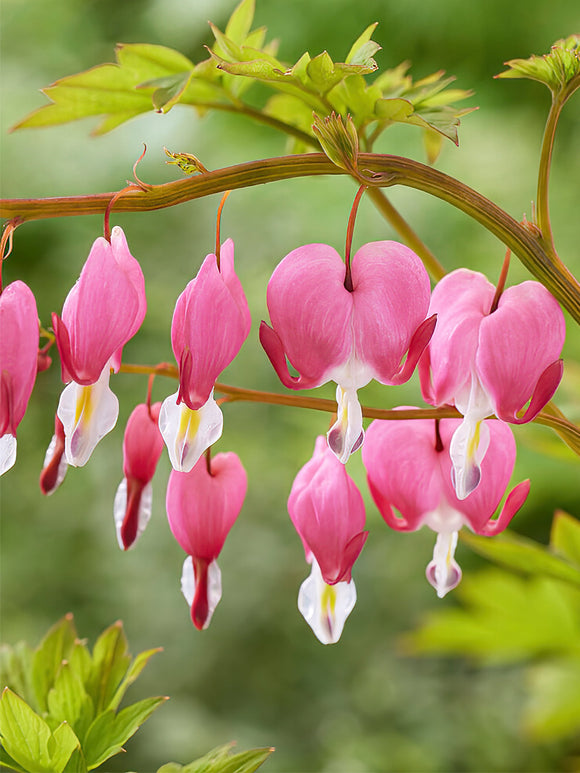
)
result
[(211, 321), (18, 353), (202, 507), (517, 344), (55, 465), (391, 298), (311, 311), (513, 503), (142, 443), (461, 301), (403, 470)]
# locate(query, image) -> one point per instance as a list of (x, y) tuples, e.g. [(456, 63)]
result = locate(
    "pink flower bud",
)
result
[(55, 466), (202, 506), (142, 447), (18, 359)]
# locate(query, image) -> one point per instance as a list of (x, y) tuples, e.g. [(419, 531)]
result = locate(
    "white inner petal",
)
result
[(214, 586), (346, 434), (470, 440), (7, 452), (87, 413), (120, 508), (187, 434), (325, 607), (443, 571)]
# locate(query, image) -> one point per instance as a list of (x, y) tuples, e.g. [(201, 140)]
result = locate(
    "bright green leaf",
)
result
[(111, 660), (25, 735), (52, 650), (15, 670), (559, 70), (433, 143), (245, 762), (240, 23), (361, 42), (110, 731), (170, 767), (523, 555), (222, 760), (320, 70), (68, 701), (132, 674), (565, 537), (63, 743), (6, 762)]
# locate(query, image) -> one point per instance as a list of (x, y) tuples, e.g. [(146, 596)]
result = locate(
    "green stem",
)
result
[(543, 212), (391, 170)]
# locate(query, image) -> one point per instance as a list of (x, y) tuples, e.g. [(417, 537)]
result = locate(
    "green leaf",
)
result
[(111, 660), (338, 140), (240, 23), (553, 707), (221, 760), (523, 555), (25, 735), (565, 537), (15, 670), (6, 762), (62, 744), (320, 70), (109, 731), (132, 674), (167, 90), (68, 701), (47, 661), (363, 48), (559, 70)]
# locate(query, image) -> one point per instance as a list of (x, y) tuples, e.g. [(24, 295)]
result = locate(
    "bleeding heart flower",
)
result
[(210, 323), (142, 447), (328, 513), (18, 360), (409, 469), (55, 466), (101, 313), (349, 335), (490, 363), (202, 506)]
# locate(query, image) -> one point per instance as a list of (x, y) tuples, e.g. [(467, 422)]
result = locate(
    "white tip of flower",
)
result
[(214, 586), (7, 452), (62, 466), (325, 607), (443, 573), (467, 449), (187, 434), (87, 413), (346, 434), (143, 514)]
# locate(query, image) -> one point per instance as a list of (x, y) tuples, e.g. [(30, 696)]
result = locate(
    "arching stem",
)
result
[(349, 235)]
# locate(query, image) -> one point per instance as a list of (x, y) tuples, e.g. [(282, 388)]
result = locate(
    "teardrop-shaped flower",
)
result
[(328, 512), (18, 362), (409, 470), (490, 363), (202, 506), (210, 323), (349, 336), (101, 313), (142, 447), (55, 467)]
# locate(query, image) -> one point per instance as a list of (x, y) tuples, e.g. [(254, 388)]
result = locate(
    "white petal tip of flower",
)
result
[(7, 452), (188, 434), (326, 607), (468, 447), (202, 593), (443, 572), (87, 413), (346, 434), (131, 517)]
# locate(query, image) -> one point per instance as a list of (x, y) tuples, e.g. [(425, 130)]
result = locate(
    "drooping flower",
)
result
[(328, 513), (55, 465), (409, 469), (202, 506), (142, 447), (210, 323), (490, 363), (18, 360), (104, 309), (349, 335)]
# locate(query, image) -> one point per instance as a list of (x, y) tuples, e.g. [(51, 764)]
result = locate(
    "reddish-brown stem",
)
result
[(438, 442), (149, 391), (6, 241), (501, 281), (208, 461), (349, 235), (217, 228)]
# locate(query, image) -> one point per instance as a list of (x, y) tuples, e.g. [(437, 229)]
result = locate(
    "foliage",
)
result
[(507, 618), (222, 760)]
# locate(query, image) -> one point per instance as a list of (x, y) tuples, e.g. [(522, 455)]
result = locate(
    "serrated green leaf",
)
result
[(245, 762), (290, 110), (320, 70), (553, 707), (240, 22), (222, 760), (362, 41), (167, 90), (523, 555), (110, 731), (565, 537), (132, 674), (47, 661), (63, 743), (68, 701), (559, 70), (25, 735), (111, 660)]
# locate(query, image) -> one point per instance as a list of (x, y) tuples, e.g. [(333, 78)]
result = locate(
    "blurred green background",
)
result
[(257, 675)]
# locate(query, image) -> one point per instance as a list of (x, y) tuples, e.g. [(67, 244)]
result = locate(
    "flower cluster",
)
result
[(492, 355)]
